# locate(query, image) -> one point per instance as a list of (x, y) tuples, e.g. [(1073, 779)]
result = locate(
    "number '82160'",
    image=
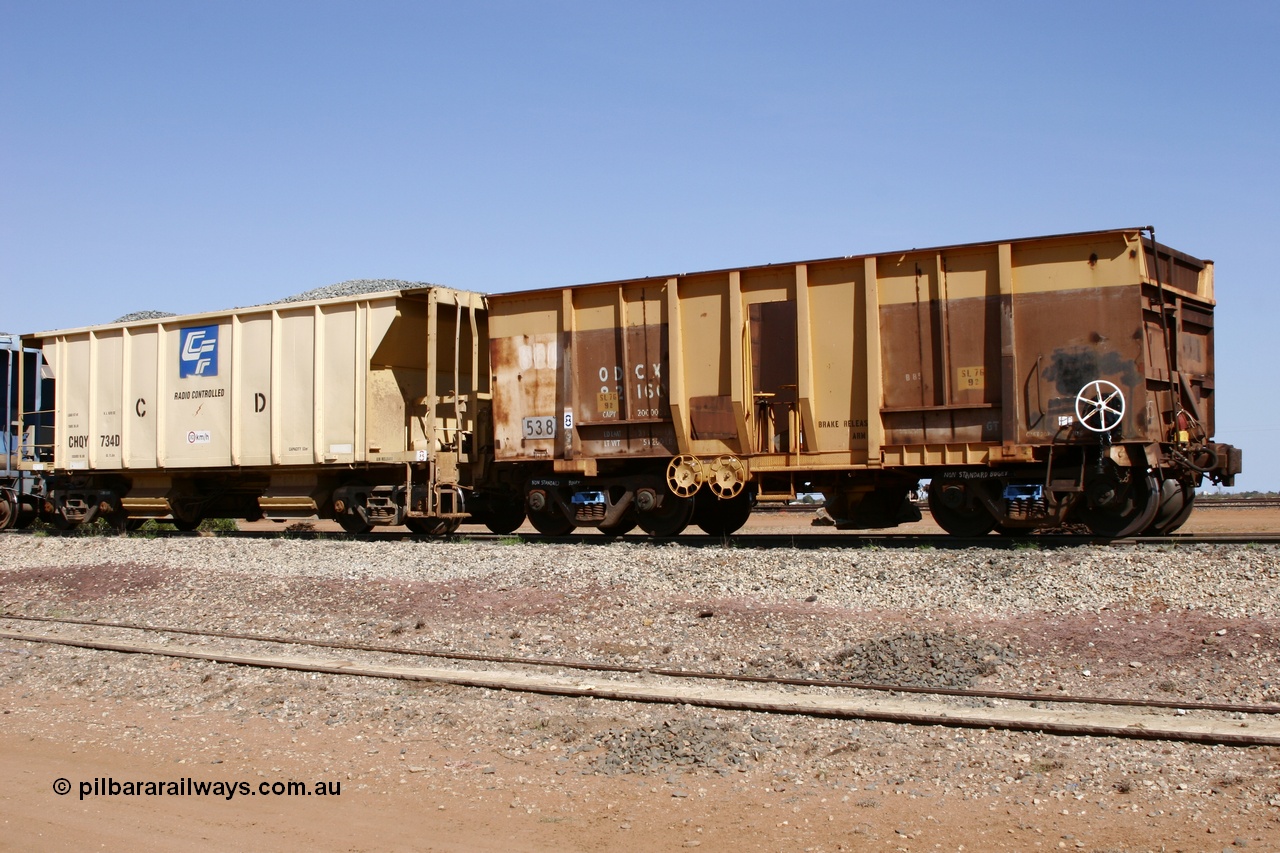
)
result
[(539, 427)]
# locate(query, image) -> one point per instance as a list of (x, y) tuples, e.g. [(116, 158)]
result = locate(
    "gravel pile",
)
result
[(923, 659), (670, 745), (143, 315), (354, 287)]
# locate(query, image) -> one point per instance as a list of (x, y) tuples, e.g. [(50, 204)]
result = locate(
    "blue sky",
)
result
[(192, 156)]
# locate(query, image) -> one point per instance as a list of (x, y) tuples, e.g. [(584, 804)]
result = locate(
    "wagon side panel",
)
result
[(524, 357), (1078, 320), (835, 360), (73, 421), (142, 403)]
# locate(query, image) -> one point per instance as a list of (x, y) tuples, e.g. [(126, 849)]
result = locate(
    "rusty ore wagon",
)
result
[(1037, 382)]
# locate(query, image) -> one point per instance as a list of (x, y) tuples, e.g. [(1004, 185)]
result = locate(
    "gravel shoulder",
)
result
[(443, 768)]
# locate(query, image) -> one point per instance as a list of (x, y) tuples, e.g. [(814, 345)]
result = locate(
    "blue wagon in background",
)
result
[(27, 380)]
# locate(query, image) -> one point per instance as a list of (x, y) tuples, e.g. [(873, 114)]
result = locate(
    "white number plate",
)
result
[(539, 427)]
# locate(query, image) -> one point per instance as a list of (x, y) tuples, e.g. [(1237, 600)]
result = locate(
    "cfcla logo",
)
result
[(198, 351)]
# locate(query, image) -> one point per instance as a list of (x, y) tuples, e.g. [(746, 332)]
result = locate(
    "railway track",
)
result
[(878, 539), (845, 539), (1237, 503), (1202, 502), (816, 537), (1194, 722)]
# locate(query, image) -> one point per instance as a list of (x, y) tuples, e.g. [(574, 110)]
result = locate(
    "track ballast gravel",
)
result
[(1193, 622)]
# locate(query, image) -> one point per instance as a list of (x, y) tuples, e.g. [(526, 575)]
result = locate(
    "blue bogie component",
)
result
[(1023, 492)]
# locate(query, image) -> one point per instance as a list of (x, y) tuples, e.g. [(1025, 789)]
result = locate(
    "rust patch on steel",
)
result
[(712, 417)]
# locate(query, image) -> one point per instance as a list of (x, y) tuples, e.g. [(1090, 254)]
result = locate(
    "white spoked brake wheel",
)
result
[(1100, 406)]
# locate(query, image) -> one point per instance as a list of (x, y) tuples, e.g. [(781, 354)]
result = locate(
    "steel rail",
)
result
[(626, 669), (897, 711), (940, 541)]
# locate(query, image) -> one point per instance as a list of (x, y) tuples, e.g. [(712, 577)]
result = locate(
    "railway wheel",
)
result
[(432, 526), (58, 519), (1176, 502), (28, 512), (551, 522), (353, 523), (505, 517), (426, 526), (625, 525), (186, 514), (957, 509), (350, 509), (1116, 506), (721, 517), (668, 520), (110, 513), (448, 502), (1182, 515), (8, 511)]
